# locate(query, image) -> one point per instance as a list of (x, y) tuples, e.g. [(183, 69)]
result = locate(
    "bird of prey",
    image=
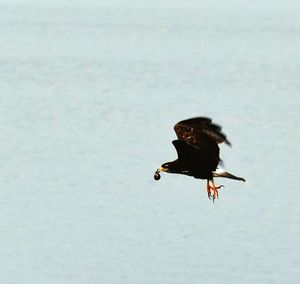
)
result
[(198, 153)]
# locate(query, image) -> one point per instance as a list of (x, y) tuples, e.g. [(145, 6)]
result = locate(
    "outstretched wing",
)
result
[(198, 131)]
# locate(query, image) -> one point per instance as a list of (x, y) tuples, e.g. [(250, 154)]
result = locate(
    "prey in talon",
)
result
[(198, 152)]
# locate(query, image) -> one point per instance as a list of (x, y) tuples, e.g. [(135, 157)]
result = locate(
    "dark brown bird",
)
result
[(198, 153)]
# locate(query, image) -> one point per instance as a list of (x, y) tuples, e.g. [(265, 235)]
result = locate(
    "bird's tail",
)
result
[(222, 173)]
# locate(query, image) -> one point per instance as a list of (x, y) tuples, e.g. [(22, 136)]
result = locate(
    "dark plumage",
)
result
[(198, 152)]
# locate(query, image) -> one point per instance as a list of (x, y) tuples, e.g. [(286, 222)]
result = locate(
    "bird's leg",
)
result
[(214, 189), (208, 189)]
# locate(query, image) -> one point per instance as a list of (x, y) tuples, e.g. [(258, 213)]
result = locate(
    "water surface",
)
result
[(89, 96)]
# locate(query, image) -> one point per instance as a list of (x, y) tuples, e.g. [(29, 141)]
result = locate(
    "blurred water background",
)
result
[(89, 94)]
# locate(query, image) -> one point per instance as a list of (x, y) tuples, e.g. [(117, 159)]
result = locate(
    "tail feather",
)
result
[(222, 173)]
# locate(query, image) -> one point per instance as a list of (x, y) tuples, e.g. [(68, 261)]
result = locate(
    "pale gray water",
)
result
[(89, 94)]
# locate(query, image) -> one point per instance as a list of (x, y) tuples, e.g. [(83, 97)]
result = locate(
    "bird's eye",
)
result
[(165, 166)]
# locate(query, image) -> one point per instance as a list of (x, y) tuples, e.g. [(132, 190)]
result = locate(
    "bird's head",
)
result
[(165, 167), (169, 167)]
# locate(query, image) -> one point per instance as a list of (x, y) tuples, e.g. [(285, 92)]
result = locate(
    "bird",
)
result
[(198, 152)]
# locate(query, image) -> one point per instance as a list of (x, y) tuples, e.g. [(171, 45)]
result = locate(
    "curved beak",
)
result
[(161, 169)]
